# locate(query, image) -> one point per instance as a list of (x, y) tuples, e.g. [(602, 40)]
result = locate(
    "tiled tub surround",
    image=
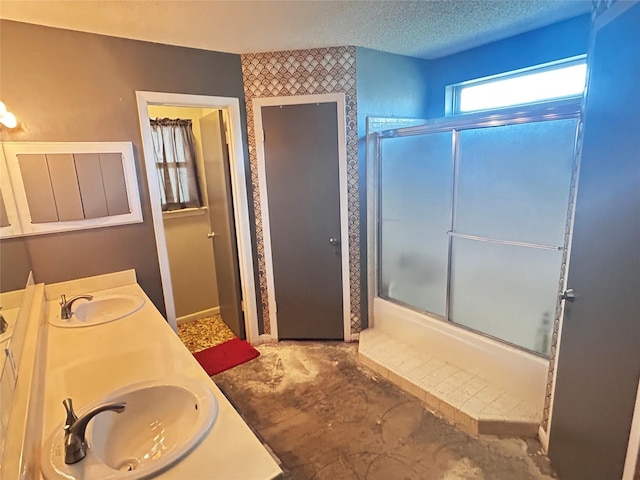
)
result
[(482, 388), (88, 363)]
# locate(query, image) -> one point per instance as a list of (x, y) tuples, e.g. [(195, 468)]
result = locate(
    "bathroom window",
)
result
[(176, 163), (564, 79)]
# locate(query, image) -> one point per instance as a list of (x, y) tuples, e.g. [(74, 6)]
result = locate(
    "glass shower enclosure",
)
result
[(469, 219)]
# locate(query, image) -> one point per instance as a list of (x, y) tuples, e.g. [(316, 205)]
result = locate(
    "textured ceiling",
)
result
[(426, 29)]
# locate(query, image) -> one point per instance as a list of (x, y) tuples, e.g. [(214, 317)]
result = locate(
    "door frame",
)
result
[(339, 100), (612, 11), (231, 111), (633, 447)]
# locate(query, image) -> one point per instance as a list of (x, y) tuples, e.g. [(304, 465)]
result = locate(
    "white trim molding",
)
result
[(14, 229), (15, 184), (339, 100), (266, 338), (231, 112), (633, 447)]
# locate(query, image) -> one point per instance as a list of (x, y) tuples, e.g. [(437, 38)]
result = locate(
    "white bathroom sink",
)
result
[(102, 309), (161, 423)]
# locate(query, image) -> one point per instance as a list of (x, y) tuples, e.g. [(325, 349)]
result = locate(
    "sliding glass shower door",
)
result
[(472, 221), (415, 214), (512, 196)]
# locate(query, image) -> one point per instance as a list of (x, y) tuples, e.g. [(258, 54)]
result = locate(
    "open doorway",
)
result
[(199, 206)]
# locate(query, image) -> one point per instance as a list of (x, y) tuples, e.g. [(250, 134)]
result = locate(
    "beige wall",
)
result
[(80, 87), (191, 263), (190, 251)]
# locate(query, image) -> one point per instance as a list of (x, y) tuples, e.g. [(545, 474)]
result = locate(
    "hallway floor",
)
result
[(204, 333), (326, 416)]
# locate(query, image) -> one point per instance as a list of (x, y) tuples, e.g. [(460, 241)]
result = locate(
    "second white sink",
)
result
[(102, 309), (161, 423)]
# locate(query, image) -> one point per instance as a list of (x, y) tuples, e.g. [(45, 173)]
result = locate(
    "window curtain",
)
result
[(176, 163)]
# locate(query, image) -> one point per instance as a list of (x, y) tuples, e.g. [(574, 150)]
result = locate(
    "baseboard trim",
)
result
[(264, 338), (195, 316), (543, 437)]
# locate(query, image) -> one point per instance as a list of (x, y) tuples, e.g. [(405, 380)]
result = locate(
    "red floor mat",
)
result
[(225, 356)]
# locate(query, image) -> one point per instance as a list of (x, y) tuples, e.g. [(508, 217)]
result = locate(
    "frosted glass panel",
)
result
[(509, 292), (415, 214), (514, 181)]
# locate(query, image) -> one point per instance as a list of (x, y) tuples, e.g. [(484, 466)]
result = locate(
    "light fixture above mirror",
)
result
[(7, 118)]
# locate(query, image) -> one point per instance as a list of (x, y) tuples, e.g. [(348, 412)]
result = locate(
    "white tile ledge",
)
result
[(469, 401)]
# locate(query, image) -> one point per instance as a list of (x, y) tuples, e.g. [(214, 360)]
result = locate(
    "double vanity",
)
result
[(114, 394)]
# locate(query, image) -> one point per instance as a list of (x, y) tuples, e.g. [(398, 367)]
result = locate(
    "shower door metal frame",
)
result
[(548, 111)]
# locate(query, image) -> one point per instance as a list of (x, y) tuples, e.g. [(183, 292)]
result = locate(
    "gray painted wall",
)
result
[(388, 85), (79, 87), (598, 360), (14, 265)]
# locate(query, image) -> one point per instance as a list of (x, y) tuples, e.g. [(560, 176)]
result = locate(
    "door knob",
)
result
[(211, 235), (334, 241), (568, 294)]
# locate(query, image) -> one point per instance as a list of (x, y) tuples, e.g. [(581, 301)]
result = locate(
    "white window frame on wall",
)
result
[(453, 92), (15, 228), (13, 149)]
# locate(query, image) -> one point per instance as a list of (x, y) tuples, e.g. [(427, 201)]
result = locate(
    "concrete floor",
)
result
[(325, 416)]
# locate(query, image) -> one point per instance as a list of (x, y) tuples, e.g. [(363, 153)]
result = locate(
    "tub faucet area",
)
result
[(65, 305)]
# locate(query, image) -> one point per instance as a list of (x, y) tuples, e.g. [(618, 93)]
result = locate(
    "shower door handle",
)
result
[(568, 294)]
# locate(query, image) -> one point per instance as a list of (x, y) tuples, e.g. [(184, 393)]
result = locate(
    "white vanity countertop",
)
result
[(88, 363)]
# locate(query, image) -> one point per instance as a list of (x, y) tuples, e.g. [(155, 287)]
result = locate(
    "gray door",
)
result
[(599, 356), (301, 156), (223, 234)]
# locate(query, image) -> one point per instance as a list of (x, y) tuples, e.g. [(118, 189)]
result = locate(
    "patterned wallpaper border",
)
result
[(306, 72)]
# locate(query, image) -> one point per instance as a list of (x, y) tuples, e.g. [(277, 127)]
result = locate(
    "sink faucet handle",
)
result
[(71, 415), (75, 444), (65, 305)]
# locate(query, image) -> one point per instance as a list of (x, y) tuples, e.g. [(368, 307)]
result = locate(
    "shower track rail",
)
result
[(504, 242)]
